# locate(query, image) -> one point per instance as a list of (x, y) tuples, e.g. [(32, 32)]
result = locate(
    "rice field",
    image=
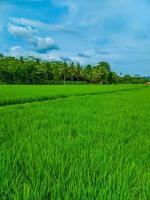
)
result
[(15, 94), (75, 142)]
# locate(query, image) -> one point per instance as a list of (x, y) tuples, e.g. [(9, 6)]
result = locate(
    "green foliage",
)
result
[(81, 147), (34, 71)]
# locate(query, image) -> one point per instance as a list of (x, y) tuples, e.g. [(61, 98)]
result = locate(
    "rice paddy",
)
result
[(75, 142)]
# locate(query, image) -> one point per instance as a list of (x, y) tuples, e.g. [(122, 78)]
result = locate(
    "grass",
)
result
[(18, 94), (81, 147)]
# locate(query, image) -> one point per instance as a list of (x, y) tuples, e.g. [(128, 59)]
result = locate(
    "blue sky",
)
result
[(87, 31)]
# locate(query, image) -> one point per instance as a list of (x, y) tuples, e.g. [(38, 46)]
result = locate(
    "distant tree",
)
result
[(64, 71), (78, 73), (32, 70), (113, 78), (102, 72), (88, 73), (104, 65), (1, 55)]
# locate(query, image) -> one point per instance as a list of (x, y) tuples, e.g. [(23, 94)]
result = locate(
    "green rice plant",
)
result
[(81, 147), (18, 94)]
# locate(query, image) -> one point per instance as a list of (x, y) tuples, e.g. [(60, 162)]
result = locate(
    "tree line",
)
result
[(35, 71)]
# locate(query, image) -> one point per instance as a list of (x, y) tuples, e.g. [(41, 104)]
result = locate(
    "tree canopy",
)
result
[(35, 71)]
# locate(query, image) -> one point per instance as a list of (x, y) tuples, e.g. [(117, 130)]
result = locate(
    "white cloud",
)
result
[(16, 51), (43, 45), (41, 25), (87, 54), (39, 44), (34, 23), (20, 31)]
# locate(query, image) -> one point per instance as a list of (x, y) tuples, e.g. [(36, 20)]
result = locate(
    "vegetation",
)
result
[(34, 71), (82, 147), (15, 94)]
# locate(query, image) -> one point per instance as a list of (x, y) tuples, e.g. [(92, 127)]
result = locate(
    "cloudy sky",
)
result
[(85, 31)]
